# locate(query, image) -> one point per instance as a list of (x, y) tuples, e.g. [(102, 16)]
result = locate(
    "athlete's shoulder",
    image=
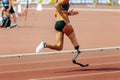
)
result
[(62, 2)]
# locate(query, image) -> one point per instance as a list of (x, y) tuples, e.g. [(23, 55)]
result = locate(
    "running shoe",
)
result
[(40, 47), (15, 25)]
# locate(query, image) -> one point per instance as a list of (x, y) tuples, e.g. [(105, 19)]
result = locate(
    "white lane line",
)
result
[(80, 75), (113, 55), (17, 71)]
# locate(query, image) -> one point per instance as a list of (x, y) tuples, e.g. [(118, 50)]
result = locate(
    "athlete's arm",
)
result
[(72, 12), (58, 8)]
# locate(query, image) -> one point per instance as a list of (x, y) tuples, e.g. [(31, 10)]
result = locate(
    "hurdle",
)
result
[(60, 52)]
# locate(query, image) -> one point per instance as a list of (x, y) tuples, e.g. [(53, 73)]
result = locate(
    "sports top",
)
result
[(65, 7)]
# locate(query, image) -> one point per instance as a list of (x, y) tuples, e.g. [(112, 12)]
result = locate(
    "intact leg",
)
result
[(58, 45)]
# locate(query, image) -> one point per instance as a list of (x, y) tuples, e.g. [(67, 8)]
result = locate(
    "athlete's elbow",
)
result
[(56, 6)]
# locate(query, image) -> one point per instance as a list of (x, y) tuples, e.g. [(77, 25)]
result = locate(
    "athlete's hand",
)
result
[(72, 12)]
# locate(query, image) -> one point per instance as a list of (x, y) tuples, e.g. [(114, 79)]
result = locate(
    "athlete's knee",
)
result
[(59, 47)]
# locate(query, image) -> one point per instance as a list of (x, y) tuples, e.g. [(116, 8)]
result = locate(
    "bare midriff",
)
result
[(59, 17)]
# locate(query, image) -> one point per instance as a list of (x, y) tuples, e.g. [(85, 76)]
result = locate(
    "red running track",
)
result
[(93, 29)]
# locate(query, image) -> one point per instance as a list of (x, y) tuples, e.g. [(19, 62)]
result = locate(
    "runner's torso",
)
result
[(64, 9)]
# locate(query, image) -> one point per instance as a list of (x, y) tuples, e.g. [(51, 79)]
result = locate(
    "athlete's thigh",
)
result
[(59, 38), (68, 29)]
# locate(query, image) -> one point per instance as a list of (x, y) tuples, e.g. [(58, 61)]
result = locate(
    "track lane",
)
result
[(64, 68)]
